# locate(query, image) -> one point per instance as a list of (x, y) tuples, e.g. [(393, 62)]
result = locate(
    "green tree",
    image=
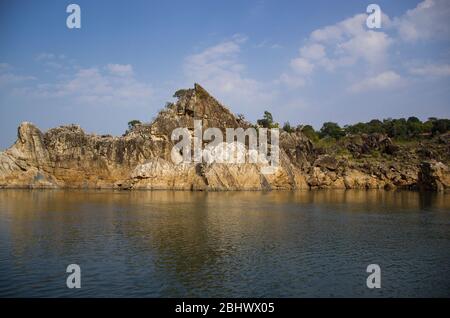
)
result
[(330, 129), (396, 128), (179, 93), (427, 126), (413, 119), (440, 126), (359, 128), (240, 117), (415, 126), (309, 132), (375, 126), (400, 128), (267, 121), (287, 127), (133, 123)]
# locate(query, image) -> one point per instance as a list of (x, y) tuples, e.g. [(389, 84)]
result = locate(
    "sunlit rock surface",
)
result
[(67, 157)]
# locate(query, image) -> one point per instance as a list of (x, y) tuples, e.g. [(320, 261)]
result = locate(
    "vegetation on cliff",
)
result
[(365, 157), (400, 129)]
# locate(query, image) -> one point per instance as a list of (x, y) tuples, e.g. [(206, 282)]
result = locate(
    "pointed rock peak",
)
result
[(26, 130), (200, 92), (197, 92), (203, 95), (199, 103), (194, 104)]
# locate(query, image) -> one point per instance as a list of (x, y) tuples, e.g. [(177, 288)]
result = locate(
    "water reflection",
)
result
[(169, 243)]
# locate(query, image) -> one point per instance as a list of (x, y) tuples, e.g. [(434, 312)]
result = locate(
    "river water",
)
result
[(224, 244)]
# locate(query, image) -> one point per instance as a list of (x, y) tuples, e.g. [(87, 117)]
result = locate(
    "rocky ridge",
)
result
[(67, 157)]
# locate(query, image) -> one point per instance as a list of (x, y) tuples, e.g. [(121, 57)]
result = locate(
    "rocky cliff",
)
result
[(67, 157)]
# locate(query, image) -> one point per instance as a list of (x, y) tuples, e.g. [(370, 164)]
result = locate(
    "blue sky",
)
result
[(305, 61)]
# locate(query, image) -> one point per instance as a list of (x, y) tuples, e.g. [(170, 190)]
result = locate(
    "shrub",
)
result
[(267, 121), (287, 127), (333, 130), (133, 123), (179, 93), (309, 132)]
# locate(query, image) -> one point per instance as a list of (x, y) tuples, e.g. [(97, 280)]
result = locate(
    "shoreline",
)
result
[(67, 157), (119, 190)]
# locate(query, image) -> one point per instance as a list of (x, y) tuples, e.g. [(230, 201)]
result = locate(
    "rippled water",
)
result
[(230, 244)]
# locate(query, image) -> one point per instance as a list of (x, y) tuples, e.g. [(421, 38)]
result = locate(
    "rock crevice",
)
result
[(67, 157)]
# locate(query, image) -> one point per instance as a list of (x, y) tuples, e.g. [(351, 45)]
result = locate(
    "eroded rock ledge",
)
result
[(67, 157)]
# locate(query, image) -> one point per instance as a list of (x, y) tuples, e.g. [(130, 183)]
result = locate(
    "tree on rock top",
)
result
[(267, 121), (133, 123)]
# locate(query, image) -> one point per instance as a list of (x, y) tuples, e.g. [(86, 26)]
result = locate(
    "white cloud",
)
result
[(219, 70), (347, 41), (431, 70), (4, 66), (429, 20), (53, 61), (91, 86), (120, 69), (343, 44), (369, 46), (10, 78), (267, 44), (313, 51), (291, 81), (215, 59), (302, 66), (326, 34), (7, 77), (382, 81), (45, 56)]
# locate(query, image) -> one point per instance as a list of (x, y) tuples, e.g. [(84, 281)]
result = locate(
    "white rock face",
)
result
[(67, 157)]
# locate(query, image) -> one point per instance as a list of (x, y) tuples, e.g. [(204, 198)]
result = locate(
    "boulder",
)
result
[(326, 161), (67, 157), (434, 176)]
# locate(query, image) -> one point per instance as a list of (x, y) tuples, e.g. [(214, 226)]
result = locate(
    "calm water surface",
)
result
[(230, 244)]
